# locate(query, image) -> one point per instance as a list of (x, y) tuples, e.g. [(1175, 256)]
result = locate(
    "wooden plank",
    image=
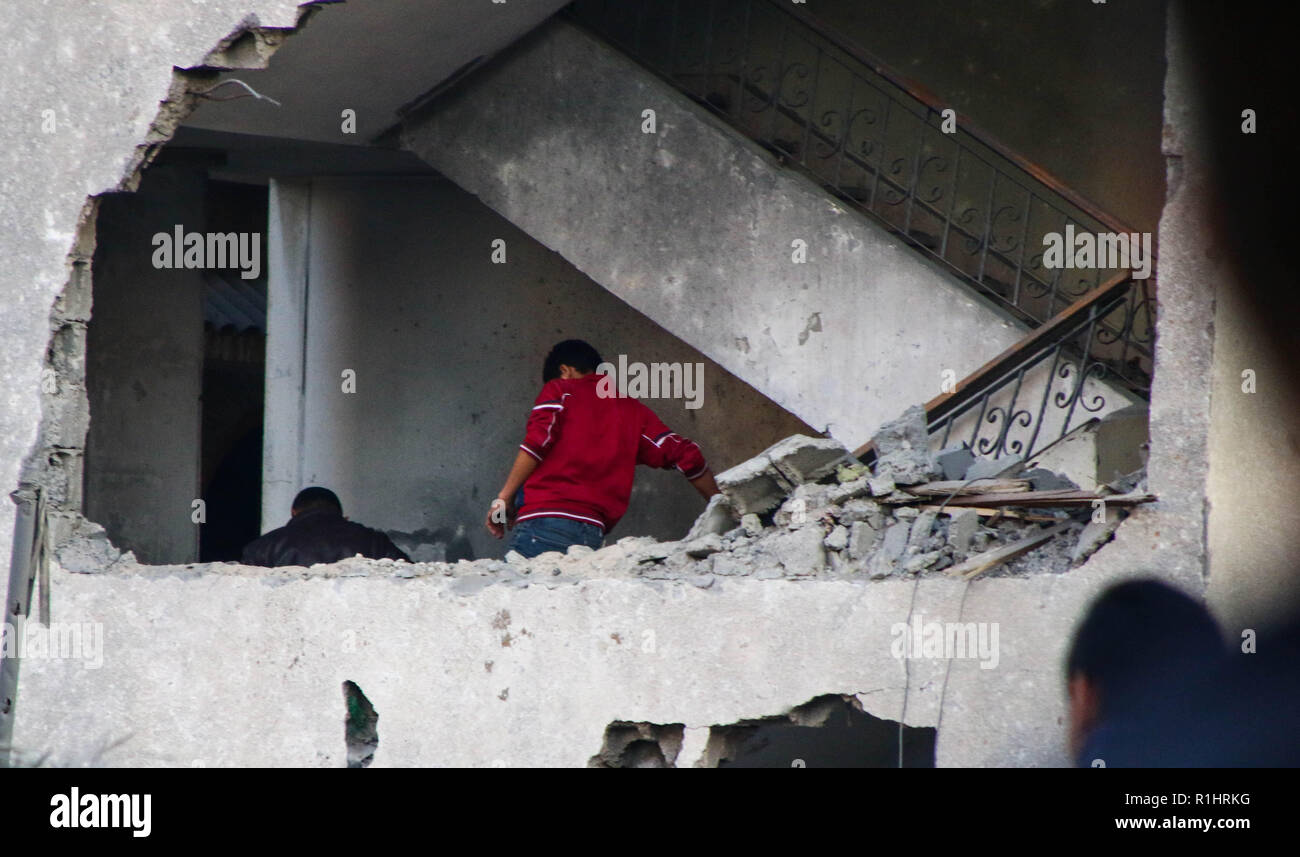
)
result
[(1031, 499), (986, 512), (977, 565), (959, 487)]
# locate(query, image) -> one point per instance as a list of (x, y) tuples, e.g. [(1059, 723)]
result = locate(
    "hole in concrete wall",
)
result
[(360, 727), (827, 732), (639, 745)]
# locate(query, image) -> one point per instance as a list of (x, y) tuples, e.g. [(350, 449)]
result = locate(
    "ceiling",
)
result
[(370, 56)]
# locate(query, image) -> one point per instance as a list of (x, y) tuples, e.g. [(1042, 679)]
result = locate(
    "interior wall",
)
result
[(144, 372), (1076, 87), (393, 279)]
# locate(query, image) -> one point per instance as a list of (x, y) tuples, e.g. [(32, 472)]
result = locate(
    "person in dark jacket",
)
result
[(318, 532)]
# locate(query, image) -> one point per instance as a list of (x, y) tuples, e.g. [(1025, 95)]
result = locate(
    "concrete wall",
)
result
[(736, 651), (447, 348), (513, 670), (145, 373), (693, 226), (101, 69)]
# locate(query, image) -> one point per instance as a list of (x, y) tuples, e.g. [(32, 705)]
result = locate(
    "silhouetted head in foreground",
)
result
[(1136, 639), (311, 499)]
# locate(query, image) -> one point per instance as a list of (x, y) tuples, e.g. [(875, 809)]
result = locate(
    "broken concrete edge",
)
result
[(53, 460), (681, 745)]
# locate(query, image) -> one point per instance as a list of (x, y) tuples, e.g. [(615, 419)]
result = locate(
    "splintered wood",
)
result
[(977, 565)]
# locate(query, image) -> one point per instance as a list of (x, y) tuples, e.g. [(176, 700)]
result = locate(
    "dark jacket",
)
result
[(318, 535)]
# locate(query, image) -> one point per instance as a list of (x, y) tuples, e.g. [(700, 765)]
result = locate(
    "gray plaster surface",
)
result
[(694, 225)]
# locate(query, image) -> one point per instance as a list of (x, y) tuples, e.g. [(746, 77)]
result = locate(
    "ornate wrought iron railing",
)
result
[(881, 145), (1044, 386)]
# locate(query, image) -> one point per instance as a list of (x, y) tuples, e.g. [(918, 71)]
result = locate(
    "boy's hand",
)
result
[(496, 518)]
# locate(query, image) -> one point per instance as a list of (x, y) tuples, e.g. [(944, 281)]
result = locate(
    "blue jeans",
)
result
[(539, 535)]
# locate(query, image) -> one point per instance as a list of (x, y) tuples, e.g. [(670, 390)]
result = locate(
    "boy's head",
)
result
[(578, 356)]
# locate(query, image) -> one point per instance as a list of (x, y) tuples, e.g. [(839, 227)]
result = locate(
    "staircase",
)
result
[(886, 149)]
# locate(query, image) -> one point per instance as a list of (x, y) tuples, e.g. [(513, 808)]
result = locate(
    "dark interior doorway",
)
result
[(234, 370)]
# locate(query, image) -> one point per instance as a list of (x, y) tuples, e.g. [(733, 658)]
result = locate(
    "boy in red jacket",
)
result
[(580, 451)]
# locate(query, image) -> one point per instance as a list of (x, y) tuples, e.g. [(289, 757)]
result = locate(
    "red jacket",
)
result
[(589, 446)]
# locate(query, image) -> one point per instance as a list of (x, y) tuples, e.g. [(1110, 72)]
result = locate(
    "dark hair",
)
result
[(1137, 631), (317, 498), (571, 352)]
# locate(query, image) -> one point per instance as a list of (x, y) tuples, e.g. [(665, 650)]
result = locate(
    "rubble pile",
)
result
[(806, 508)]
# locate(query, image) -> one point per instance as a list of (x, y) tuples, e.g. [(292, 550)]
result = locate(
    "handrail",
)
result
[(1087, 310), (871, 138), (931, 100), (878, 142)]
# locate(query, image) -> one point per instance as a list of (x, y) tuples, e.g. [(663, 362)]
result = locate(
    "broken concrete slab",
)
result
[(903, 449), (717, 518), (702, 547), (760, 484), (891, 550), (753, 486), (799, 552), (801, 459), (838, 538), (88, 551), (863, 539), (921, 530), (1042, 479), (962, 527), (882, 485), (955, 460), (989, 468)]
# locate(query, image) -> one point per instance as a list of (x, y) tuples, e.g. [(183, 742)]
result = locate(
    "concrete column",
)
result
[(288, 242), (144, 373)]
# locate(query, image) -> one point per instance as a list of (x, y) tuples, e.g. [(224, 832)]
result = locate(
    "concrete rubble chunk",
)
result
[(751, 524), (800, 552), (88, 551), (921, 530), (801, 459), (987, 468), (863, 539), (703, 547), (892, 548), (920, 562), (717, 518), (903, 449), (881, 486), (838, 538), (804, 505), (962, 526), (760, 484), (841, 494), (1042, 479), (955, 460), (753, 486), (862, 510)]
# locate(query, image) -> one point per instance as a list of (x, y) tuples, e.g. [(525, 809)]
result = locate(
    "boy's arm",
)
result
[(661, 447), (706, 484), (523, 467), (544, 424)]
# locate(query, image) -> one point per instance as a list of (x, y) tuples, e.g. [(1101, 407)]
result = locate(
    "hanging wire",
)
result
[(205, 93)]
